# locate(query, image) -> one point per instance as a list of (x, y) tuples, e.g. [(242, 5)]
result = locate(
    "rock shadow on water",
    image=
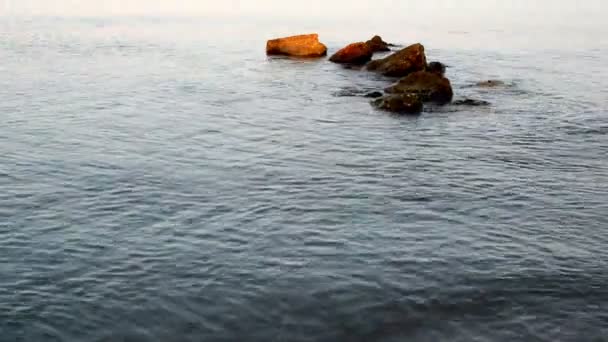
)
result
[(298, 59)]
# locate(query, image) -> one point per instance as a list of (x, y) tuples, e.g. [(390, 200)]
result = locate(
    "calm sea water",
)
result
[(162, 180)]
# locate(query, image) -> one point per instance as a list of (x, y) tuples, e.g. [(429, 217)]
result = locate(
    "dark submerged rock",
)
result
[(358, 92), (427, 86), (401, 63), (356, 53), (471, 102), (357, 67), (490, 84), (377, 44), (374, 94), (436, 68), (399, 104), (307, 45)]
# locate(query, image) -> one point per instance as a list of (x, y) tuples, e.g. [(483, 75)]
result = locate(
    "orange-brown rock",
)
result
[(401, 63), (356, 53), (427, 86), (307, 45)]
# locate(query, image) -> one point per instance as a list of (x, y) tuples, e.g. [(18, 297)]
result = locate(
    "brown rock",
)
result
[(425, 85), (401, 63), (399, 103), (378, 45), (356, 53), (307, 45)]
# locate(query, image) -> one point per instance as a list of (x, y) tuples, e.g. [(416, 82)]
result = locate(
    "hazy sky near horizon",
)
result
[(552, 8)]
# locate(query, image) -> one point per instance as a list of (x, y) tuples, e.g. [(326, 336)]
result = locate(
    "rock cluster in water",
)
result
[(420, 82)]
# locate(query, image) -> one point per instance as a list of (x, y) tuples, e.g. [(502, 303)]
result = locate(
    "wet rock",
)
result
[(356, 53), (307, 45), (436, 68), (401, 63), (399, 104), (470, 102), (427, 86), (378, 45), (490, 84)]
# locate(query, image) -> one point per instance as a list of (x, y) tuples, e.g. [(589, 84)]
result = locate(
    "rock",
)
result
[(436, 68), (401, 63), (378, 45), (373, 94), (470, 102), (490, 84), (356, 53), (399, 103), (427, 86), (307, 45)]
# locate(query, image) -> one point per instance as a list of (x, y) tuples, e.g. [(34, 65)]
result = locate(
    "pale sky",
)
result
[(540, 8), (157, 7)]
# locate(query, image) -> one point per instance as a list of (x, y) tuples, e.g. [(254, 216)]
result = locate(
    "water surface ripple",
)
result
[(190, 189)]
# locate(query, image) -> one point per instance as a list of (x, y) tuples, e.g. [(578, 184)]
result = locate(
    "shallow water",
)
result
[(162, 180)]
